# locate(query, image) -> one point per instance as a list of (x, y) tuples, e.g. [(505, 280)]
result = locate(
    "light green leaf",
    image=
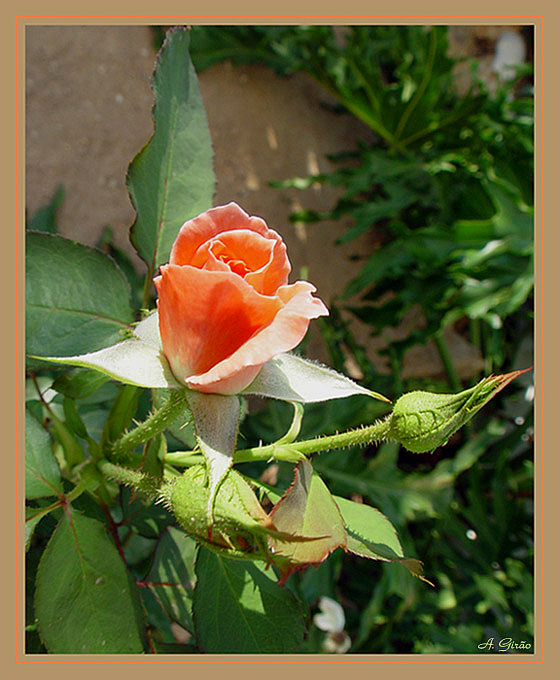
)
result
[(131, 361), (85, 601), (293, 378), (370, 533), (77, 300), (42, 474), (240, 609), (171, 179)]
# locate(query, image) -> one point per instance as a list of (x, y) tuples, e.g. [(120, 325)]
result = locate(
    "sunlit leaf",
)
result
[(307, 509), (239, 608), (171, 179)]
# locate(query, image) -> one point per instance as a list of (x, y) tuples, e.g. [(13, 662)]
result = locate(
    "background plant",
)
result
[(446, 193), (482, 484)]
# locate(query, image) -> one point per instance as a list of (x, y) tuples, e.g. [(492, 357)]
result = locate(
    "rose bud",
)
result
[(240, 524), (422, 421), (225, 306)]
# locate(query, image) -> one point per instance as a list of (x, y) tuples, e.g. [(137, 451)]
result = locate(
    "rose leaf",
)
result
[(171, 179), (371, 535), (306, 510), (77, 299)]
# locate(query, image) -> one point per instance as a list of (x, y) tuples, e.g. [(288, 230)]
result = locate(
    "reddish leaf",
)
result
[(306, 510)]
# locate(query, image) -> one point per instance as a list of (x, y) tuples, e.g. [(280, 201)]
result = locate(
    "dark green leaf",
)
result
[(171, 179), (85, 601), (81, 384), (239, 608), (77, 301), (172, 576), (45, 218), (42, 474)]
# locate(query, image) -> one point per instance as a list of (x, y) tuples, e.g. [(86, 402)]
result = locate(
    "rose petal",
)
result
[(261, 261), (247, 246), (204, 316), (284, 332), (194, 233)]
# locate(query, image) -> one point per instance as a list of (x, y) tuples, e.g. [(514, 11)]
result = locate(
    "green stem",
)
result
[(433, 126), (139, 480), (73, 452), (152, 426), (147, 288), (362, 114), (296, 450), (183, 458), (365, 84)]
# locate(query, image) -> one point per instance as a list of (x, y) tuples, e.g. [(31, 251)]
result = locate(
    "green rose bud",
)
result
[(422, 421), (240, 525)]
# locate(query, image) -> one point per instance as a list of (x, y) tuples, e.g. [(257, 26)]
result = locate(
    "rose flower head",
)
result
[(225, 306)]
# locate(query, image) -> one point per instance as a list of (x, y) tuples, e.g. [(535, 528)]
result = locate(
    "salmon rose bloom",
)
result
[(225, 306)]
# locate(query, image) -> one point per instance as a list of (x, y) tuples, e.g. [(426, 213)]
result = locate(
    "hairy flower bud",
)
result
[(422, 421), (239, 525)]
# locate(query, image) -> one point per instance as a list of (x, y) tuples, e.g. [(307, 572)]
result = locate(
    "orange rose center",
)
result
[(223, 254), (241, 251)]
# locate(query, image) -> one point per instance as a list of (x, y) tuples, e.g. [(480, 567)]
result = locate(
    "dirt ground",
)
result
[(88, 112)]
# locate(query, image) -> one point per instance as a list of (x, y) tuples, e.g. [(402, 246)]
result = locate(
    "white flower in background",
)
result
[(510, 52), (332, 620)]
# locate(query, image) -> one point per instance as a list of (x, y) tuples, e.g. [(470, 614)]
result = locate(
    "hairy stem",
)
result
[(152, 426), (294, 451), (145, 483)]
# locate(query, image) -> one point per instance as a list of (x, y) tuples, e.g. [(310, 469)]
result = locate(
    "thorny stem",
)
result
[(157, 422), (114, 532), (139, 480), (296, 450)]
